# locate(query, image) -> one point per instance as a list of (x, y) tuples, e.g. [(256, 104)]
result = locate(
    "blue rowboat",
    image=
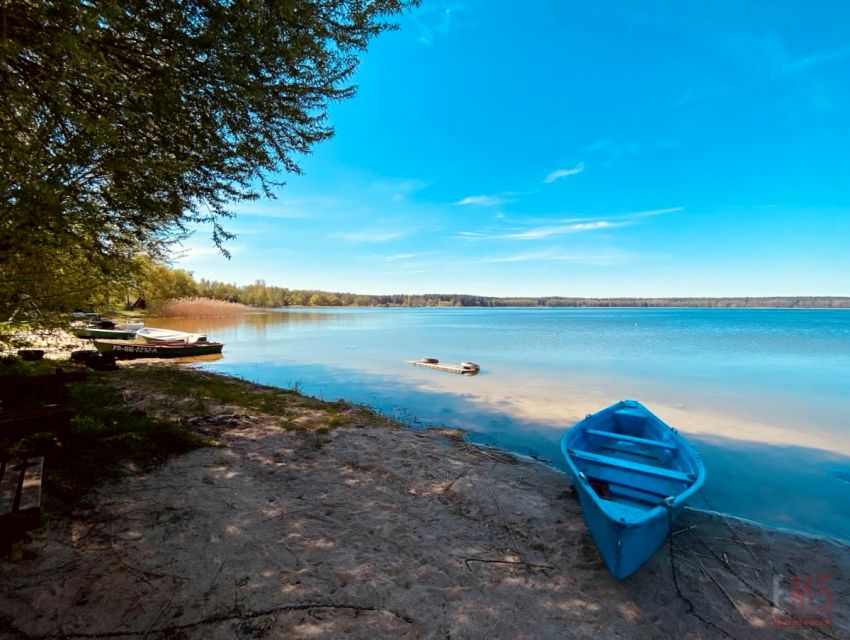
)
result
[(633, 475)]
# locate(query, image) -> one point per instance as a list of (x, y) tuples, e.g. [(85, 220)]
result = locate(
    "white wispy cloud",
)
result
[(602, 257), (435, 19), (815, 60), (481, 201), (650, 213), (577, 227), (396, 189), (769, 56), (531, 256), (198, 249), (557, 174), (400, 256), (395, 257), (540, 233), (612, 147), (284, 208), (568, 226), (600, 145), (370, 235), (410, 271), (700, 93), (628, 215)]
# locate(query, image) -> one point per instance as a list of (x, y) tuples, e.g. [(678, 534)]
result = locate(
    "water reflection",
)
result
[(744, 479), (210, 357), (784, 486), (257, 320), (739, 384)]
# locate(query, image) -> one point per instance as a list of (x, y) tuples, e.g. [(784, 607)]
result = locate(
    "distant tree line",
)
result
[(162, 283)]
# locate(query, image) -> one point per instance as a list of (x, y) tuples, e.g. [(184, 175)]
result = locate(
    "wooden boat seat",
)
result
[(623, 437), (636, 467)]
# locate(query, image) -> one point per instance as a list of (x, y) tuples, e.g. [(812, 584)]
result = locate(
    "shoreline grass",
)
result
[(134, 419)]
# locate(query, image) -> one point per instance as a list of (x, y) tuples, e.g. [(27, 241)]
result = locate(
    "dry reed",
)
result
[(201, 307)]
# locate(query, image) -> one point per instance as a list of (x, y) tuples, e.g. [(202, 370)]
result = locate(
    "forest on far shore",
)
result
[(164, 283)]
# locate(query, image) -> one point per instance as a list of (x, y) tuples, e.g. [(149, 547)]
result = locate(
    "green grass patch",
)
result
[(203, 388), (339, 421), (107, 440), (115, 429), (11, 365), (108, 443)]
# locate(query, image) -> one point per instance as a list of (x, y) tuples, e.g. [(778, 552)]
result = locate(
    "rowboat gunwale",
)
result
[(683, 445), (630, 524)]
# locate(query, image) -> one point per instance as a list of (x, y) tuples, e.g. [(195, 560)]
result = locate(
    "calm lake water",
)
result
[(762, 394)]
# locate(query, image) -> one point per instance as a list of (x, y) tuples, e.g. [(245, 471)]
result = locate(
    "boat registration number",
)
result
[(134, 349)]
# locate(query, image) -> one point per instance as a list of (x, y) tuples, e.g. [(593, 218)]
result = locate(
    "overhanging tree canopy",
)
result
[(123, 122)]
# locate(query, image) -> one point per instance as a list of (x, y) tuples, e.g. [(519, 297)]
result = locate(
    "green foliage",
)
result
[(322, 299), (123, 123), (158, 284), (260, 294)]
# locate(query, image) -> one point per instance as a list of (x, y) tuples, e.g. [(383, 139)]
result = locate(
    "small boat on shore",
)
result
[(107, 329), (633, 474), (124, 350), (152, 334)]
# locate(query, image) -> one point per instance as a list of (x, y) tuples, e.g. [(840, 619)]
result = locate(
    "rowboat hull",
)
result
[(624, 548), (633, 475), (88, 333), (133, 350)]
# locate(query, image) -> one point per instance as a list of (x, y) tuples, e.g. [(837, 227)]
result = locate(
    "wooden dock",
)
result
[(449, 368)]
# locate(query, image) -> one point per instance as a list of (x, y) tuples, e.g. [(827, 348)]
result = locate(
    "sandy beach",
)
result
[(374, 530)]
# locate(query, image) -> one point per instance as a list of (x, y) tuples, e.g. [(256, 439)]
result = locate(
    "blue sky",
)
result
[(574, 148)]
